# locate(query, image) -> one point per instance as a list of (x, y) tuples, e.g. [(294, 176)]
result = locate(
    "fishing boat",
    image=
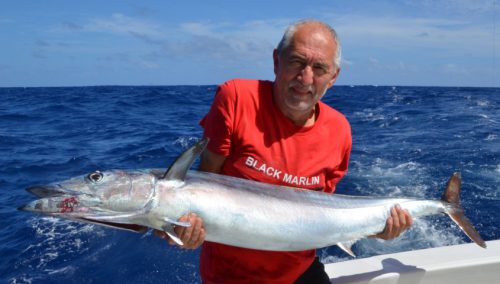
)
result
[(465, 263)]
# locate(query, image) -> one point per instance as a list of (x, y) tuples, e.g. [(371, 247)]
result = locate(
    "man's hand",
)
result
[(399, 221), (192, 236)]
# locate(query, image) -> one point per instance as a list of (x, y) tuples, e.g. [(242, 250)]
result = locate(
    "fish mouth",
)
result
[(55, 203), (65, 207), (55, 200), (122, 226), (44, 191)]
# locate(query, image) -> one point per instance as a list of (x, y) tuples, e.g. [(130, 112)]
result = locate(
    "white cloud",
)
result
[(462, 7), (198, 29), (226, 42), (346, 62), (123, 25), (148, 64), (253, 40), (453, 69), (373, 61), (457, 37)]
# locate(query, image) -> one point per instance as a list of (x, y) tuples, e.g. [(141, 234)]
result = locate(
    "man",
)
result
[(255, 126)]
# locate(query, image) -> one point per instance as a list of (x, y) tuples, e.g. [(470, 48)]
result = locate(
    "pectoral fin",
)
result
[(169, 229), (176, 223), (346, 247), (170, 232)]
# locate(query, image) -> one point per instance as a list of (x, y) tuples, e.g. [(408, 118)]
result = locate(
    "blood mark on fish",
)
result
[(68, 204)]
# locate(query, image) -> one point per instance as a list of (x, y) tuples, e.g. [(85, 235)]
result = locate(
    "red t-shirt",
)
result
[(260, 143)]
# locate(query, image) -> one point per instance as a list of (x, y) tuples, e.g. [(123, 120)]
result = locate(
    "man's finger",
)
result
[(180, 231), (396, 216), (388, 230), (404, 220), (196, 230), (409, 219), (201, 238), (185, 233)]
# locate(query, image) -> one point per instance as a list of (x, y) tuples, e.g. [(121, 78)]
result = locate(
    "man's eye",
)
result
[(320, 70), (296, 63)]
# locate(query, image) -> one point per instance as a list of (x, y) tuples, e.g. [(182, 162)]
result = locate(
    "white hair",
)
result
[(290, 32)]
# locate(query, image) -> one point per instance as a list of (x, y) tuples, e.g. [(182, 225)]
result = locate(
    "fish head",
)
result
[(114, 196)]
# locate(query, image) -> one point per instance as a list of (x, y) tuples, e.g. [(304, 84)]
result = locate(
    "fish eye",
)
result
[(95, 176)]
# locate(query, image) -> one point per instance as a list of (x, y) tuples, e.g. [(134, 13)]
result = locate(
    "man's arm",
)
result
[(211, 162), (194, 235)]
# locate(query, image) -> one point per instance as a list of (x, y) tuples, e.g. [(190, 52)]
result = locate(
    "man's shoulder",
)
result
[(245, 90), (332, 114), (251, 84)]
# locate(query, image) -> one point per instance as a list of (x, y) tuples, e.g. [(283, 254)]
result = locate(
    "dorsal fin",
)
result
[(179, 168)]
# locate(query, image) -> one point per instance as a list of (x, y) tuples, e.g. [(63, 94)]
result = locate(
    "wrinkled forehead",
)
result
[(317, 43)]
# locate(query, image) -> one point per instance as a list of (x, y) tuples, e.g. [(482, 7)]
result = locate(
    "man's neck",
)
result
[(303, 119)]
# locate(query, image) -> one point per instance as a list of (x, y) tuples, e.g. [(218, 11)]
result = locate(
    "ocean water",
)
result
[(407, 142)]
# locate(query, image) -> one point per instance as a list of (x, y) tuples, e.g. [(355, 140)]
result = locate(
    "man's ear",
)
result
[(275, 61), (334, 78)]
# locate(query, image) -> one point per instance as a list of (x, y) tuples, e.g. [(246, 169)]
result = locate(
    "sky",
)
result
[(108, 42)]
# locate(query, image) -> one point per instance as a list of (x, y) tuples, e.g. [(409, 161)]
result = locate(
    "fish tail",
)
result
[(454, 209)]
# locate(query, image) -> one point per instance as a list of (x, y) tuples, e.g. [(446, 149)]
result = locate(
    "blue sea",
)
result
[(407, 142)]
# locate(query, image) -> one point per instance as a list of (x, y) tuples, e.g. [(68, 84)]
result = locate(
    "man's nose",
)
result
[(306, 76)]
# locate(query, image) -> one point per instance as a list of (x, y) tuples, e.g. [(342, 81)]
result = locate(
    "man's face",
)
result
[(304, 70)]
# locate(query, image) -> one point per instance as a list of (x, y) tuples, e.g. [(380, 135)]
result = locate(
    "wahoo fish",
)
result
[(236, 212)]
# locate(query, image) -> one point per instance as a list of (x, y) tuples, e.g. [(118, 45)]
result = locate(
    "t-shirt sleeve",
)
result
[(341, 170), (218, 123)]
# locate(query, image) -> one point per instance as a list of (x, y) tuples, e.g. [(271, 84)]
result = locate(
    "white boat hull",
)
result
[(457, 264)]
